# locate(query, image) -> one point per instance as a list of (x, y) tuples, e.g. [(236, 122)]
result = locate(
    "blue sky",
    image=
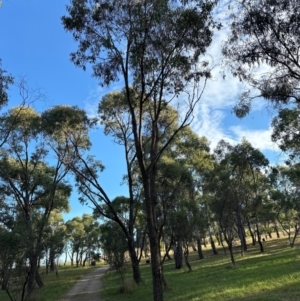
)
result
[(34, 45)]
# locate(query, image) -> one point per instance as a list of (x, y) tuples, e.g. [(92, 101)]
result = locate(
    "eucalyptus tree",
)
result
[(69, 128), (248, 164), (286, 132), (76, 233), (265, 32), (155, 47), (54, 239), (285, 195), (29, 184), (193, 153), (174, 192), (116, 119), (223, 204), (245, 167), (5, 81)]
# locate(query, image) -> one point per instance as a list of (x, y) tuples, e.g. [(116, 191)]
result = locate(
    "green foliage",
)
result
[(5, 81), (99, 44), (265, 32), (68, 126), (286, 131), (113, 242)]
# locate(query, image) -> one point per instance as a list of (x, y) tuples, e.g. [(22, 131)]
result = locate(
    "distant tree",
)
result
[(285, 195), (114, 244), (54, 239)]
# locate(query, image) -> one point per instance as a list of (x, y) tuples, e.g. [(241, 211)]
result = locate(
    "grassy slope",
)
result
[(56, 287), (272, 276)]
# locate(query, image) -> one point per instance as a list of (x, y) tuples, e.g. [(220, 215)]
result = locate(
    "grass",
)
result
[(271, 276), (56, 286)]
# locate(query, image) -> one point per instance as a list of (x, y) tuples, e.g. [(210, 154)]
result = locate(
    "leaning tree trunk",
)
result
[(186, 256), (251, 232)]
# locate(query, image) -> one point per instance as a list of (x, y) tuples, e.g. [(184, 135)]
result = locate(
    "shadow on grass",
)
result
[(270, 276)]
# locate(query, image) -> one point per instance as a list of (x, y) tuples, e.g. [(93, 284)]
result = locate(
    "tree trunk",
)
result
[(178, 255), (229, 240), (218, 238), (241, 232), (222, 243), (157, 273), (276, 229), (251, 232), (33, 275), (212, 243), (4, 276), (134, 261), (259, 237), (231, 252), (66, 258), (186, 257), (51, 260), (199, 247)]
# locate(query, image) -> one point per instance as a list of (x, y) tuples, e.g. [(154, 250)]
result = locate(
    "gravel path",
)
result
[(88, 287)]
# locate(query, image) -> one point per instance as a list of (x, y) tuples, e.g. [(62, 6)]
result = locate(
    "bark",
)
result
[(66, 258), (157, 273), (4, 277), (213, 246), (241, 232), (33, 275), (134, 261), (186, 257), (218, 238), (38, 279), (51, 260), (259, 237), (251, 232), (276, 229), (222, 243), (199, 247), (178, 255), (231, 253), (229, 239)]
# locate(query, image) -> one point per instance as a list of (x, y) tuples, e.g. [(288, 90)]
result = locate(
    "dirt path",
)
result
[(88, 287)]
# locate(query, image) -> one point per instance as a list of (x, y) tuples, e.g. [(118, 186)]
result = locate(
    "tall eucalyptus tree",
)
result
[(155, 47)]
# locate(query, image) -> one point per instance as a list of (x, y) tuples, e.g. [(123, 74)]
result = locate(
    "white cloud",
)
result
[(222, 94), (258, 138)]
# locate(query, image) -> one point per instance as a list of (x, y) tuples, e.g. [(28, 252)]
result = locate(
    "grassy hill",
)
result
[(271, 276)]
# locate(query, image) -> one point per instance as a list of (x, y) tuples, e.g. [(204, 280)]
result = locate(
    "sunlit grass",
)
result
[(271, 276), (55, 286)]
